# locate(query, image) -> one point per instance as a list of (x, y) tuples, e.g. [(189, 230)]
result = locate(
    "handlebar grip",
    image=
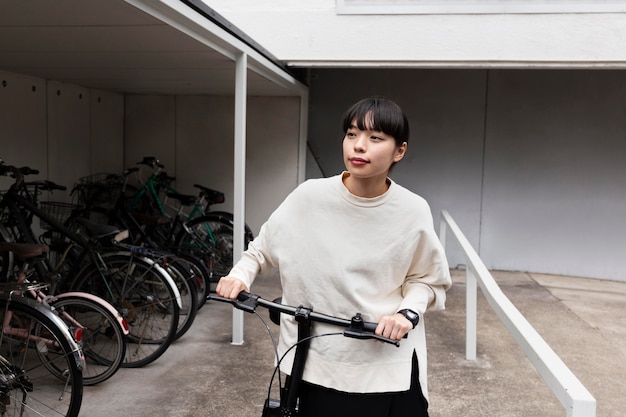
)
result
[(29, 171), (243, 296), (244, 302)]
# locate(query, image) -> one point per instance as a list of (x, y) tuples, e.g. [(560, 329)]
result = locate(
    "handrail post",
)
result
[(576, 399), (471, 314)]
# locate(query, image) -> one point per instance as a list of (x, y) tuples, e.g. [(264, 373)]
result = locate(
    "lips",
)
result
[(358, 161)]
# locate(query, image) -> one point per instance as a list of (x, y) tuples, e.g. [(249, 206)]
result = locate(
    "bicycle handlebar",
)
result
[(17, 173), (354, 328), (46, 185), (29, 171), (151, 161)]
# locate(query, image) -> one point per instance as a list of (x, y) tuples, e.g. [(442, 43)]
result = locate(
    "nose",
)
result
[(360, 144)]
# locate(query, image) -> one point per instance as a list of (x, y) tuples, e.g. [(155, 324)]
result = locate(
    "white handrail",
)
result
[(576, 399)]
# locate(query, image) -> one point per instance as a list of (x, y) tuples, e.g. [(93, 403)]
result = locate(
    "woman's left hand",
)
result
[(394, 327)]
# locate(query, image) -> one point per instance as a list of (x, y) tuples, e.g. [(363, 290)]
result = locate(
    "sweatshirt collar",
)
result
[(364, 201)]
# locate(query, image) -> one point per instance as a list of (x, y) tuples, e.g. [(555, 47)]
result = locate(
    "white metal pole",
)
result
[(471, 305), (302, 141), (239, 200)]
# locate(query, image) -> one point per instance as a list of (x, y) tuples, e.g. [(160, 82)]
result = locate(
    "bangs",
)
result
[(378, 114)]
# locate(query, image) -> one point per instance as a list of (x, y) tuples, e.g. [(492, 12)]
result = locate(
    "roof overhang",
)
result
[(136, 46)]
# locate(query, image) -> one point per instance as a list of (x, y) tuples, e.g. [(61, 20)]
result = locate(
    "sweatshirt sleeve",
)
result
[(256, 259), (428, 277)]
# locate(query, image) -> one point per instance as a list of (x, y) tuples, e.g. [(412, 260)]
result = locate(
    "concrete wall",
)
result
[(529, 163)]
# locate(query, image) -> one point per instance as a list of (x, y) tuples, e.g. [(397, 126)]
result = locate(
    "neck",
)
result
[(366, 187)]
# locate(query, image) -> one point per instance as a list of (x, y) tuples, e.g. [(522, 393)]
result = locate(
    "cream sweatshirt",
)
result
[(340, 254)]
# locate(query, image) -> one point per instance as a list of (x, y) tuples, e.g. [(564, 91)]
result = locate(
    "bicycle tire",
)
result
[(6, 258), (202, 275), (145, 296), (211, 238), (103, 342), (183, 277), (27, 387)]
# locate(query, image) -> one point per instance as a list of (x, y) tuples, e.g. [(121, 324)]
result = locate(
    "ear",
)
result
[(400, 152)]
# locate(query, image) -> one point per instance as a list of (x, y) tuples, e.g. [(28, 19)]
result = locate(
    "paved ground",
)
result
[(581, 319)]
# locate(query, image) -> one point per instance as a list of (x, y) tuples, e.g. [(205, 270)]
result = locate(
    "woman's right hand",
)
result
[(230, 287)]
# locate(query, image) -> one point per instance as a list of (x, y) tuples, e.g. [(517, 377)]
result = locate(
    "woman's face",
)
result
[(369, 154)]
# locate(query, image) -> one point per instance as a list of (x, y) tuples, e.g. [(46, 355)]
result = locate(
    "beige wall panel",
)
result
[(205, 150), (150, 130), (68, 134), (204, 145), (107, 132), (22, 123)]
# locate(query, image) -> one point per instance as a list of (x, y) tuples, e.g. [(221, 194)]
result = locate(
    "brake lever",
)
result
[(359, 334)]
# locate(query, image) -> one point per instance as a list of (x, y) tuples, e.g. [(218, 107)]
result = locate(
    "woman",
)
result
[(356, 242)]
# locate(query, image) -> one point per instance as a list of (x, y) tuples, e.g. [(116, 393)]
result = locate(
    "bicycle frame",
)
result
[(36, 292), (150, 188), (12, 200), (25, 333)]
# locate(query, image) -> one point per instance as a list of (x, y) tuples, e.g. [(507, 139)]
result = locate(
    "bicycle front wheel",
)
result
[(33, 341), (144, 294)]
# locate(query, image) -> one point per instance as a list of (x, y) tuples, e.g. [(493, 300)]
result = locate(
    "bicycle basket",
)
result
[(56, 210), (101, 189), (102, 177)]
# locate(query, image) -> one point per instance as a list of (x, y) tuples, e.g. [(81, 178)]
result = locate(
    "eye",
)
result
[(376, 138), (350, 134)]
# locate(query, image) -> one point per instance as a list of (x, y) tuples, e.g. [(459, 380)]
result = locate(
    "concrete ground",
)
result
[(202, 374)]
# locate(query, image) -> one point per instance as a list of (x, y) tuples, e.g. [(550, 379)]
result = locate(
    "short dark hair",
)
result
[(380, 114)]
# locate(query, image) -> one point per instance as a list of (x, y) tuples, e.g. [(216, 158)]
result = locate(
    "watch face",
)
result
[(412, 316)]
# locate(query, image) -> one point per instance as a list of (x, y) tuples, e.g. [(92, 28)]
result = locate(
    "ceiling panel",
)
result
[(111, 45)]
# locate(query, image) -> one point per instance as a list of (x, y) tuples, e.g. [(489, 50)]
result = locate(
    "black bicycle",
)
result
[(287, 404), (89, 259)]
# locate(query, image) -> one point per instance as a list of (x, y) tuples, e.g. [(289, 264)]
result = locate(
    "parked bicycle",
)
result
[(97, 327), (138, 287), (287, 404), (106, 202), (145, 212), (40, 362)]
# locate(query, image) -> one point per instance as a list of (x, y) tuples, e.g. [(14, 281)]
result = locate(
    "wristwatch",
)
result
[(411, 316)]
